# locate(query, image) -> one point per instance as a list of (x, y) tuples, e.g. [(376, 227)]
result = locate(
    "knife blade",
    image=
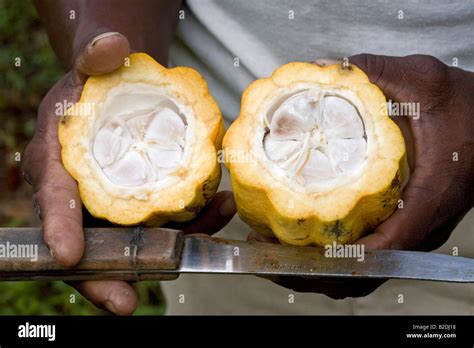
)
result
[(211, 255), (163, 254)]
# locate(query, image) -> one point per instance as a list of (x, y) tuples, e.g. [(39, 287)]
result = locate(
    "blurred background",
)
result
[(21, 90)]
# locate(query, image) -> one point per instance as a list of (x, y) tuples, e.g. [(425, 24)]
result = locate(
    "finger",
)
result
[(55, 191), (388, 73), (362, 62), (58, 202), (213, 218), (115, 296), (385, 72), (415, 78), (425, 208), (60, 207), (104, 53), (333, 287)]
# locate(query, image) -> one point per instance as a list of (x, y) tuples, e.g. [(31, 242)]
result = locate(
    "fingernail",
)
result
[(228, 207), (110, 306), (327, 61), (101, 36)]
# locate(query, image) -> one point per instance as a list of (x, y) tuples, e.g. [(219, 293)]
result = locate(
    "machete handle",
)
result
[(131, 254)]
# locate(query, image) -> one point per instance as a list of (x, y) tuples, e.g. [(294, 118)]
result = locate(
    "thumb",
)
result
[(400, 78), (388, 74), (430, 202), (384, 71), (213, 218), (102, 54), (405, 79)]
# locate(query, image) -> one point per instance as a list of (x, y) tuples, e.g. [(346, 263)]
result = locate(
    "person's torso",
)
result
[(234, 42)]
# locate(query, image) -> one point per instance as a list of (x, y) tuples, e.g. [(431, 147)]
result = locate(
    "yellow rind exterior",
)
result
[(342, 215), (180, 202)]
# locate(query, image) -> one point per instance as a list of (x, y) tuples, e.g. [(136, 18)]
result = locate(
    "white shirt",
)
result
[(264, 34)]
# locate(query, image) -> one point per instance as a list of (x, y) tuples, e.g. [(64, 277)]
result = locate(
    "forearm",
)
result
[(147, 24)]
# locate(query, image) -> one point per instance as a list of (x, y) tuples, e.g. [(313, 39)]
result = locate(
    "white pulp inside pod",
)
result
[(140, 136), (316, 137)]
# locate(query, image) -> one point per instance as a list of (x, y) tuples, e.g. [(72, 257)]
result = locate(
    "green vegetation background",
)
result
[(21, 90)]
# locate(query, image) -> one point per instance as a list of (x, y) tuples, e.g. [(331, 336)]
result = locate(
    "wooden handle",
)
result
[(110, 253)]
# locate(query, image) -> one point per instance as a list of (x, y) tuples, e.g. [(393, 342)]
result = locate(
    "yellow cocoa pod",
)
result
[(313, 156), (142, 143)]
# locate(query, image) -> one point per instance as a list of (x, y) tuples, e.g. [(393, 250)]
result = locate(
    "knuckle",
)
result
[(375, 66), (372, 65), (433, 84), (43, 189), (429, 67)]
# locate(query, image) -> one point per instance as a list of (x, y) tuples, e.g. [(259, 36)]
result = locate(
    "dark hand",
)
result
[(440, 146), (54, 188)]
